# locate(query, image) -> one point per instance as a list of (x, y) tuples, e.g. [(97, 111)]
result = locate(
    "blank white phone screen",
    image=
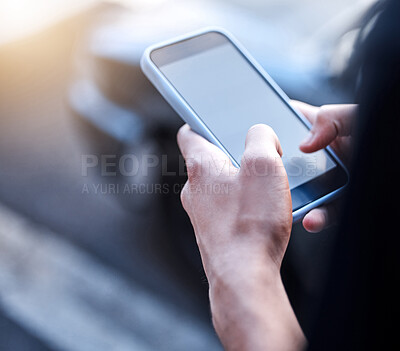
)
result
[(230, 96)]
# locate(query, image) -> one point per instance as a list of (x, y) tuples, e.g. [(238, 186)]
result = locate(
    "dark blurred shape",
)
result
[(359, 309)]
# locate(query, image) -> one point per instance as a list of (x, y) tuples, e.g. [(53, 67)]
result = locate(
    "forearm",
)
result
[(251, 311)]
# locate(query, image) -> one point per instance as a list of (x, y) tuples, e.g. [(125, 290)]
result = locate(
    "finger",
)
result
[(309, 111), (201, 157), (320, 218), (316, 220), (331, 121), (343, 146), (261, 141), (192, 144)]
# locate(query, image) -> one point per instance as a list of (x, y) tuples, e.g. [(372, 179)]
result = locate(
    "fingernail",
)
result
[(307, 139)]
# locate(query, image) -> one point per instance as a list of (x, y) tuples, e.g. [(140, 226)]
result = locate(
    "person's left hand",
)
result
[(331, 125)]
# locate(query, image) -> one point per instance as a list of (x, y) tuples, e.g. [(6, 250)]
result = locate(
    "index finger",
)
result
[(309, 111), (192, 144)]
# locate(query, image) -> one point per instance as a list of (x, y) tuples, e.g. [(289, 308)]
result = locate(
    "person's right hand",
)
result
[(331, 126)]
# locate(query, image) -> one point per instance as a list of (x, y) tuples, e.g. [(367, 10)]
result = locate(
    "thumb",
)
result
[(331, 121), (261, 141)]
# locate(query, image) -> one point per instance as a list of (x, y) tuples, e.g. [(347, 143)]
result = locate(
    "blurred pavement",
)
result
[(78, 269)]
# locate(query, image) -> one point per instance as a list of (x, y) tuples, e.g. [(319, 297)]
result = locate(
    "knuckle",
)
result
[(253, 160), (201, 166), (249, 160), (194, 168), (185, 195), (324, 114), (327, 121), (253, 165)]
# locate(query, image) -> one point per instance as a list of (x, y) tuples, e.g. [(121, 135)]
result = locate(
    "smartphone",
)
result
[(220, 90)]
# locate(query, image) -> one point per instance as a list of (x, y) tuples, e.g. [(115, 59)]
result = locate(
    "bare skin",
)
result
[(331, 126), (242, 236), (242, 219)]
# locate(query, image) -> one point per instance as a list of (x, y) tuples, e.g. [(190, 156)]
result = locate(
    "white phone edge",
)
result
[(171, 95)]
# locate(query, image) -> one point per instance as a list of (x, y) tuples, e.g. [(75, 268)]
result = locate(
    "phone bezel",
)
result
[(305, 196)]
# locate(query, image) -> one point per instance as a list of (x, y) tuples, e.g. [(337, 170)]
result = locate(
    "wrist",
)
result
[(251, 310), (240, 309), (241, 287), (248, 271)]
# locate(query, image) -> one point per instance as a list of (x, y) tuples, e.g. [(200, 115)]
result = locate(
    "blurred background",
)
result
[(92, 258)]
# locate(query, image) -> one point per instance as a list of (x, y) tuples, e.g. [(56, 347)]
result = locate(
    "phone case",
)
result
[(190, 117)]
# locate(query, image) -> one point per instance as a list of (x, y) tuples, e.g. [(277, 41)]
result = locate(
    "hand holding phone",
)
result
[(331, 126), (221, 91)]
